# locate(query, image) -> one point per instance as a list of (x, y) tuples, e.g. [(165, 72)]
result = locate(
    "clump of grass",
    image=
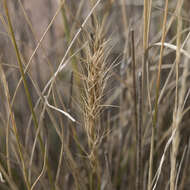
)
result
[(78, 142)]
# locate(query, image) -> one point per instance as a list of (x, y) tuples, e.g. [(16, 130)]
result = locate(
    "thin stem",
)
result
[(157, 96)]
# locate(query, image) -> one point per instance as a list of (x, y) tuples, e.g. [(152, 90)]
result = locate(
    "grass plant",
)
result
[(94, 95)]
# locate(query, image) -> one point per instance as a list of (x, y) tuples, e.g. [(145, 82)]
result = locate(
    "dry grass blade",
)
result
[(59, 110), (179, 98)]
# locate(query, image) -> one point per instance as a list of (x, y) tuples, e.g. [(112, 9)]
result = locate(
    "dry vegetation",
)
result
[(94, 95)]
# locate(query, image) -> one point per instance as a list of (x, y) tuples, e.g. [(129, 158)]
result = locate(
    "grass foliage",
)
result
[(94, 95)]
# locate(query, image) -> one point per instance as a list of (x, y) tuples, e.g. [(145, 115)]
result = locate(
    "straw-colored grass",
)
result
[(94, 95)]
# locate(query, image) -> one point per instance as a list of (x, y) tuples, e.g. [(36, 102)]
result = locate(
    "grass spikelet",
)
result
[(95, 75)]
